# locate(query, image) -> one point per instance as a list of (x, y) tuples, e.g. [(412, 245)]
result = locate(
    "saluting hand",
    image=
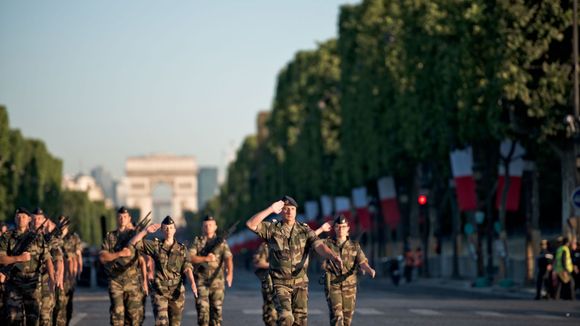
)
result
[(153, 228), (277, 206), (326, 227)]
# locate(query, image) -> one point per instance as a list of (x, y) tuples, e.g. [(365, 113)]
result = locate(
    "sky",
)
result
[(99, 81)]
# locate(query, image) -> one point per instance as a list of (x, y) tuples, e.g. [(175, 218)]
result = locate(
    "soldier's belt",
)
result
[(168, 283), (290, 282)]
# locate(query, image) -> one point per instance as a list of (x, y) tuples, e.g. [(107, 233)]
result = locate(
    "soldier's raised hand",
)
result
[(153, 228), (277, 206), (24, 257), (210, 258)]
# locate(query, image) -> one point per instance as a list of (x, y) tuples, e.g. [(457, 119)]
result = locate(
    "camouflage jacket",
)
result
[(38, 249), (352, 257), (214, 269), (126, 267), (289, 248), (71, 245), (170, 261), (261, 256)]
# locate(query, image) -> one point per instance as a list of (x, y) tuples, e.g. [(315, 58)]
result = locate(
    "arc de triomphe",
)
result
[(143, 173)]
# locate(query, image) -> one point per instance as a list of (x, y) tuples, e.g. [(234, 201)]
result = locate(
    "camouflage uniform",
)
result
[(169, 293), (48, 294), (340, 286), (23, 284), (71, 244), (210, 281), (288, 256), (269, 314), (125, 289)]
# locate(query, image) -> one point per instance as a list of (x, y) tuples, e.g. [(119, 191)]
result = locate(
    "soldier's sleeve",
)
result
[(56, 249), (106, 246), (312, 238), (4, 244), (360, 255), (193, 248), (186, 261), (226, 250), (264, 230), (147, 247)]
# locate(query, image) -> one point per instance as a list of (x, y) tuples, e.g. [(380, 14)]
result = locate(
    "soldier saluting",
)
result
[(340, 283), (171, 262), (290, 243), (212, 258), (121, 265), (24, 252)]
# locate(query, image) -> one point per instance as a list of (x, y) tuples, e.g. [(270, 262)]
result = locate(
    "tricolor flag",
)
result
[(389, 204), (516, 170), (311, 213), (462, 168), (342, 206), (326, 204), (359, 199)]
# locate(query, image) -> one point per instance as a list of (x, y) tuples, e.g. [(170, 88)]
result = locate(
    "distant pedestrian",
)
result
[(543, 271), (409, 265), (418, 261), (564, 268)]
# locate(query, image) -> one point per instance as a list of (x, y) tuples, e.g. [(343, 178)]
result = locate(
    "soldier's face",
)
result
[(289, 212), (341, 230), (168, 230), (38, 219), (123, 219), (209, 227), (22, 219)]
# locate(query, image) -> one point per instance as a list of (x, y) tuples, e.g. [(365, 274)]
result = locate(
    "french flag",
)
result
[(311, 213), (359, 199), (389, 204), (516, 170), (462, 169), (342, 206), (326, 204)]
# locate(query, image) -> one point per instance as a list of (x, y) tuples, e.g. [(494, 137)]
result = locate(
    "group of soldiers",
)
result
[(40, 261), (281, 263)]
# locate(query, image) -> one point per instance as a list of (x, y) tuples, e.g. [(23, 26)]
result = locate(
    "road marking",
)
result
[(425, 312), (91, 298), (489, 314), (368, 311), (148, 314), (547, 316), (191, 313), (76, 318), (252, 311), (314, 312)]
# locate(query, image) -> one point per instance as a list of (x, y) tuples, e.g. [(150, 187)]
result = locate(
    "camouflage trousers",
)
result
[(47, 301), (341, 300), (291, 299), (64, 303), (126, 297), (168, 304), (269, 314), (23, 294), (209, 302)]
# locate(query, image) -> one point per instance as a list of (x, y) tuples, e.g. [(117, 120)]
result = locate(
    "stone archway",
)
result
[(144, 172)]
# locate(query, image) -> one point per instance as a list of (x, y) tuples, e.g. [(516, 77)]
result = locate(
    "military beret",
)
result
[(22, 210), (122, 210), (340, 219), (38, 211), (208, 218), (167, 220), (289, 201)]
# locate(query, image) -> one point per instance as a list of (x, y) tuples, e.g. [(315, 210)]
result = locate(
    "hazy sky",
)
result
[(102, 80)]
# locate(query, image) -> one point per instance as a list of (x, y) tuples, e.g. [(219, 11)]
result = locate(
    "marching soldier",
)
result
[(71, 248), (3, 229), (52, 272), (261, 266), (171, 262), (121, 265), (23, 251), (212, 258), (290, 243), (340, 283)]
